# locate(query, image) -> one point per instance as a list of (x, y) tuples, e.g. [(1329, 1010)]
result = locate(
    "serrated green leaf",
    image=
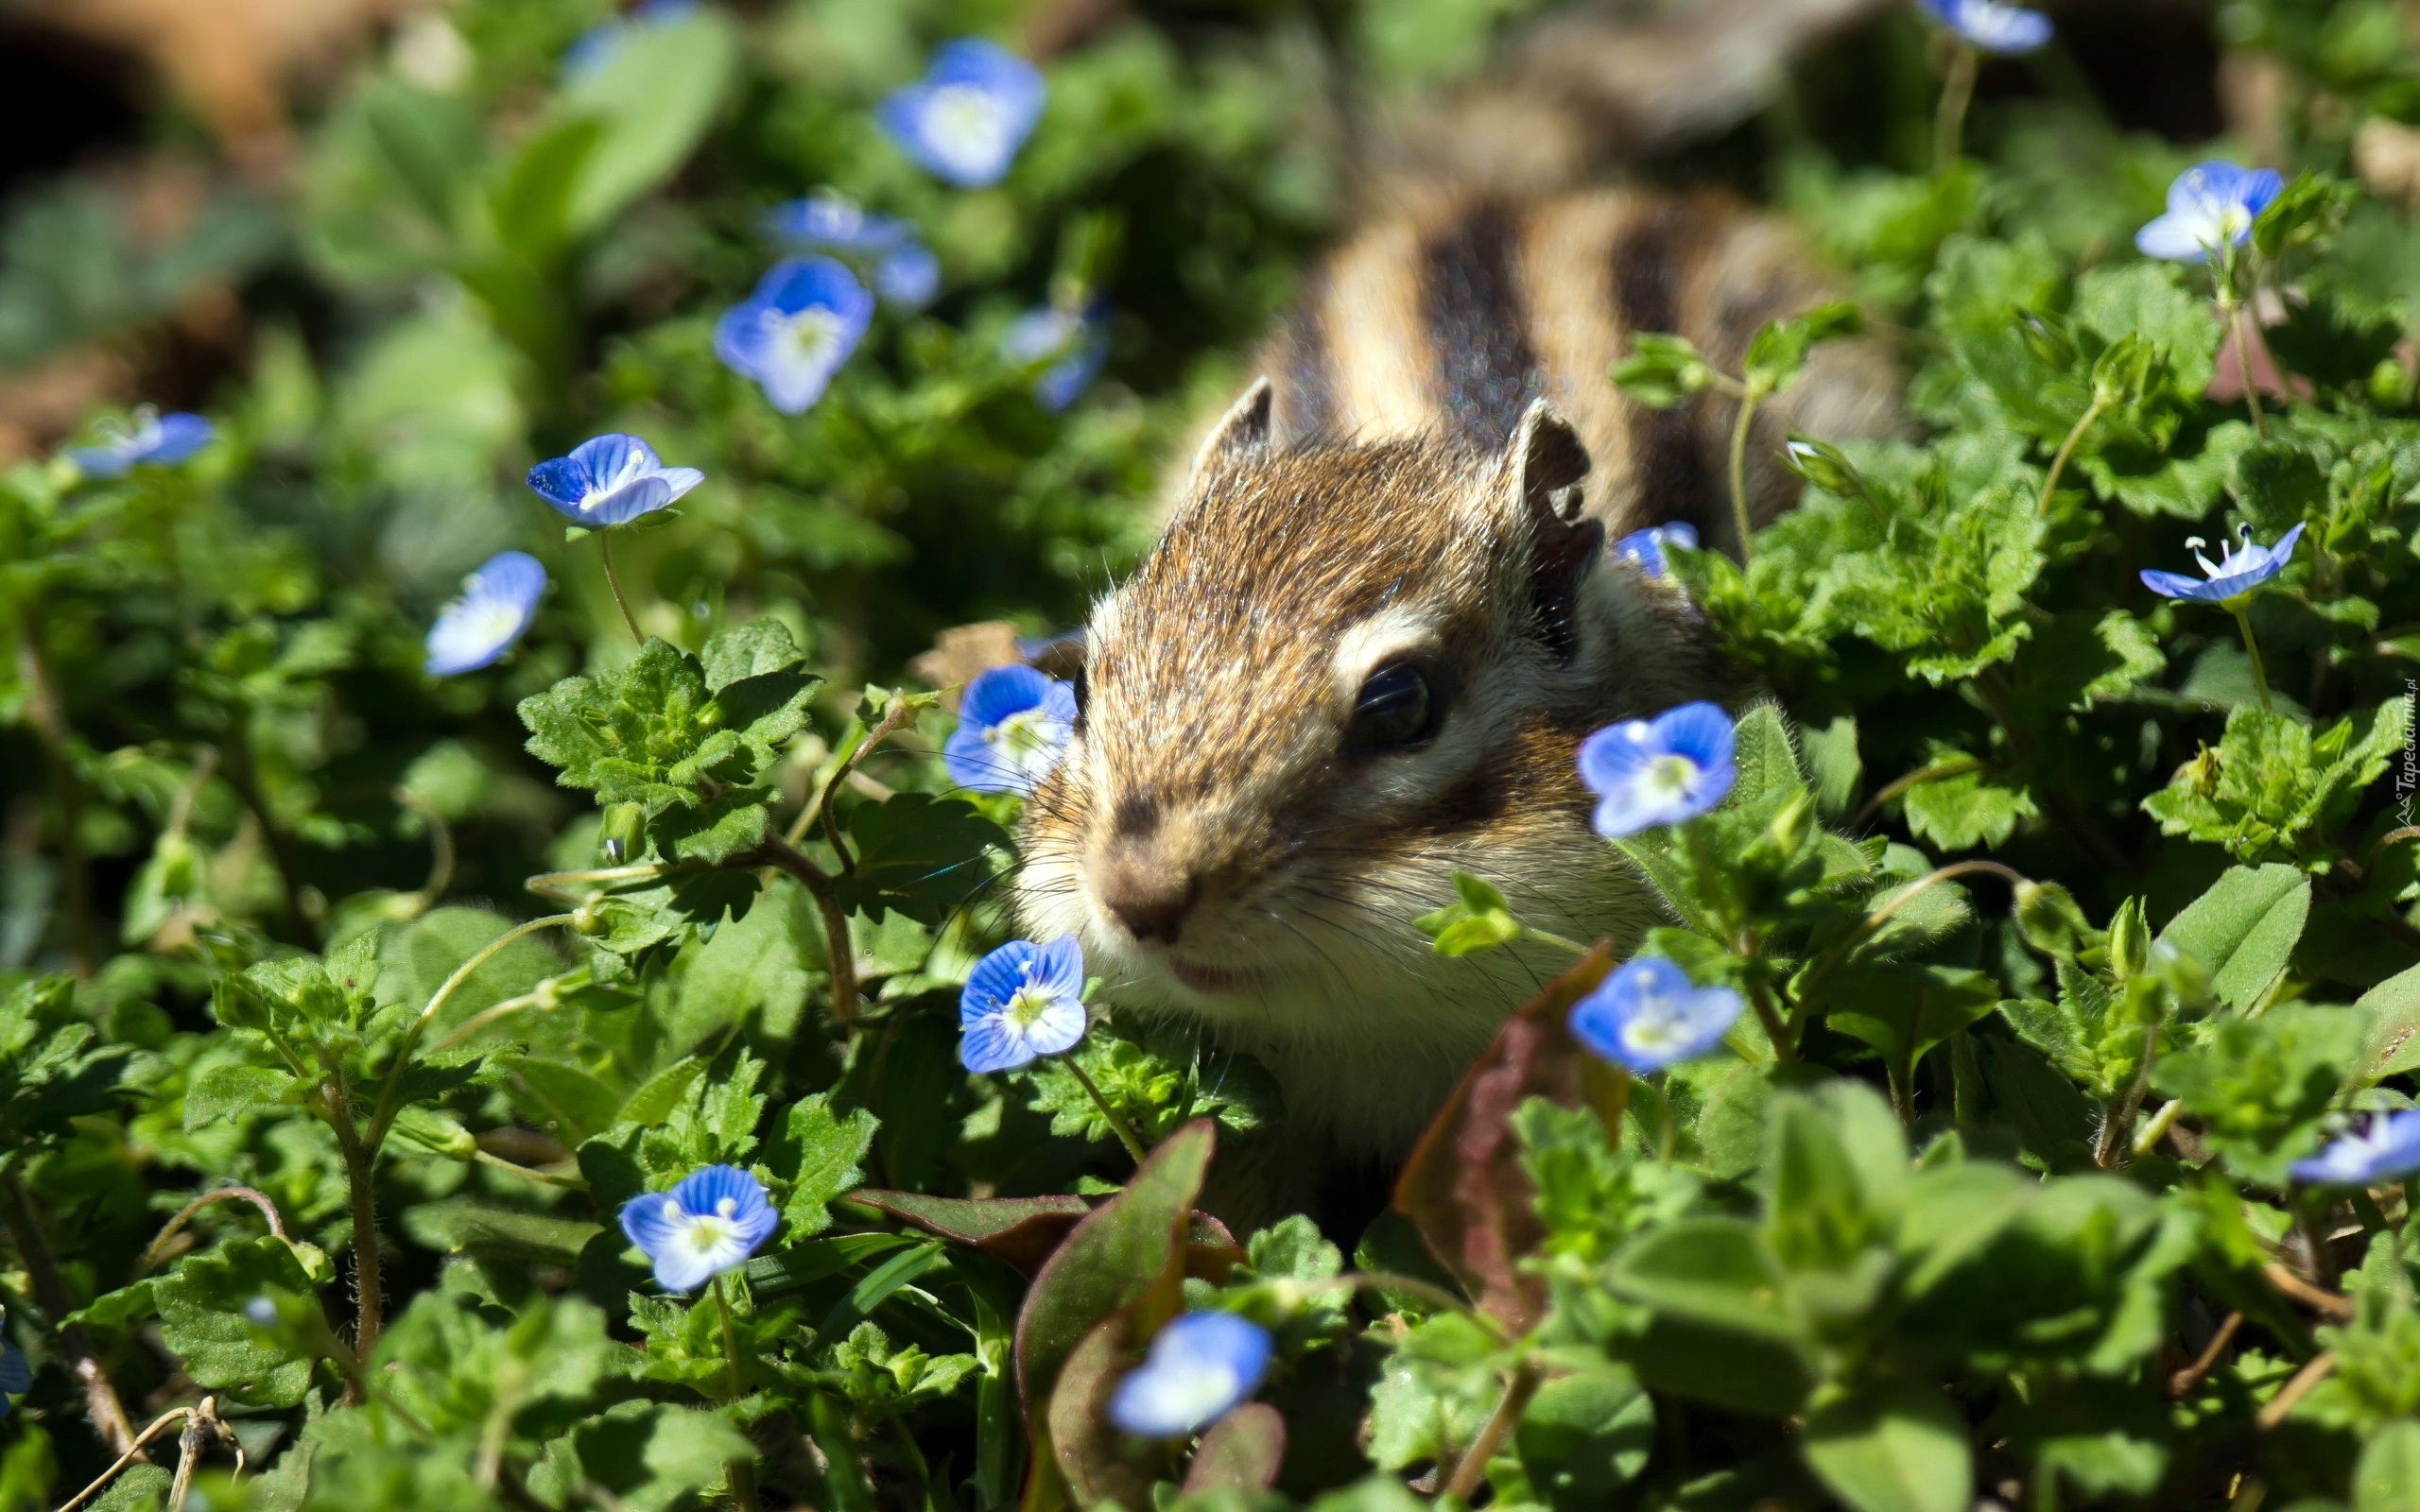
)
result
[(202, 1320), (918, 855)]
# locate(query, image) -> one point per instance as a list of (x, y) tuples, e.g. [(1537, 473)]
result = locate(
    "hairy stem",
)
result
[(742, 1471), (1939, 771), (389, 1096), (2252, 648), (1950, 120), (613, 581), (47, 716), (1739, 516), (441, 844), (153, 1252), (2240, 319), (837, 944), (2067, 449), (1117, 1125), (2182, 1382), (101, 1403), (359, 1160), (1472, 1466)]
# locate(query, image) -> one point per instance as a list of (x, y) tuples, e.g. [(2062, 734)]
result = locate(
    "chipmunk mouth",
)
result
[(1203, 977)]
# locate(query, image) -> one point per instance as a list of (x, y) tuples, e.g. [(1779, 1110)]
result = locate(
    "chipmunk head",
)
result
[(1345, 673)]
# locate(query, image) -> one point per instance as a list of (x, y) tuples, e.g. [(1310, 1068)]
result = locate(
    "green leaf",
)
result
[(2394, 1007), (2262, 1086), (2273, 781), (654, 101), (819, 1154), (1969, 809), (202, 1320), (1899, 1450), (1584, 1436), (919, 854), (2387, 1478), (1715, 1271), (2243, 930), (1661, 371)]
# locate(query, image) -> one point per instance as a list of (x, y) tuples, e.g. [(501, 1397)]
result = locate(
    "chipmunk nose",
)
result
[(1148, 897)]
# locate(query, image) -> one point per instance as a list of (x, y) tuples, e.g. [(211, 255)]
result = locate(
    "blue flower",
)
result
[(793, 333), (710, 1223), (1022, 1001), (1646, 547), (2232, 576), (611, 480), (16, 1377), (160, 439), (1013, 723), (1992, 27), (1649, 1015), (1080, 340), (964, 120), (2388, 1151), (597, 46), (905, 272), (1200, 1367), (1646, 773), (2210, 206), (496, 603)]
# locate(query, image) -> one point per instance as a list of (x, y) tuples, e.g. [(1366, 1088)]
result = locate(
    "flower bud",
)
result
[(2130, 940), (623, 834), (587, 918), (2047, 918)]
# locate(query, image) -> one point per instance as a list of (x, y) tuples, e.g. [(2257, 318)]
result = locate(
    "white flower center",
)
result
[(707, 1232), (812, 335), (1657, 1027), (966, 122), (1028, 741), (1669, 774), (1026, 1006)]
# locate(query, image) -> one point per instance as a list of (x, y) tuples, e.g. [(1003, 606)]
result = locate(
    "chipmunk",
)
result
[(1383, 614)]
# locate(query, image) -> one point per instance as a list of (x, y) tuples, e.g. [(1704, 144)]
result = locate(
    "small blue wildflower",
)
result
[(261, 1312), (710, 1223), (1646, 547), (159, 439), (2211, 206), (496, 604), (1201, 1366), (1649, 1015), (909, 277), (597, 46), (1661, 771), (1991, 26), (1080, 341), (2233, 575), (905, 272), (611, 480), (1013, 723), (16, 1376), (806, 314), (2389, 1150), (965, 119), (1022, 1001)]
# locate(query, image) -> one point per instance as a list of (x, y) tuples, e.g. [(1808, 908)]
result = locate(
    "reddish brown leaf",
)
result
[(1464, 1187), (1242, 1451), (1100, 1464), (1020, 1230)]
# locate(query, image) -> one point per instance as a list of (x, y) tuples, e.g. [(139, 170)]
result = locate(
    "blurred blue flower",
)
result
[(2389, 1150), (496, 603), (1649, 1015), (1021, 1001), (2232, 576), (2210, 206), (611, 480), (1013, 723), (965, 119), (16, 1377), (598, 43), (1661, 771), (153, 437), (710, 1223), (1080, 340), (1201, 1366), (806, 314), (1646, 547), (905, 272), (1991, 26)]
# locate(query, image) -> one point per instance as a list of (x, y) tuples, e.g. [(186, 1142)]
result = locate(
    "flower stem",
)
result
[(1549, 937), (1471, 1468), (2066, 449), (360, 1165), (2259, 673), (741, 1471), (1949, 121), (2238, 318), (1118, 1125), (605, 551), (388, 1098), (1747, 402)]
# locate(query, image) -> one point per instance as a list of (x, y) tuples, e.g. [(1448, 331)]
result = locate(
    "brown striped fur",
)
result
[(1412, 483)]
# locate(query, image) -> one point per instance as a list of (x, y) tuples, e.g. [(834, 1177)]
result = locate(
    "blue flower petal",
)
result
[(1700, 731), (707, 1223), (964, 121), (1201, 1366), (494, 608), (1649, 1015), (827, 220), (16, 1376), (804, 318), (994, 979), (909, 277), (611, 480), (1647, 774), (1021, 1001), (995, 693), (2210, 205), (2389, 1150)]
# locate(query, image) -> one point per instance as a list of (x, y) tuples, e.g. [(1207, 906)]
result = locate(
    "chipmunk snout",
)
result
[(1149, 894)]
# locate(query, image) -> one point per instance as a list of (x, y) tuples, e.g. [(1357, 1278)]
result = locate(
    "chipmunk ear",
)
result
[(1546, 463), (1242, 433)]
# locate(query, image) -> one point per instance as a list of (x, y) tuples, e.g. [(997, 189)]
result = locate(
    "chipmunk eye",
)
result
[(1396, 708)]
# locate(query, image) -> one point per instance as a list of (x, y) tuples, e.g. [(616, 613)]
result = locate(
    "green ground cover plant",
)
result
[(507, 1044)]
